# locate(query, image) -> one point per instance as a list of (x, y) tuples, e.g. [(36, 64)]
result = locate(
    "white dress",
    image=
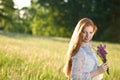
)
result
[(84, 62)]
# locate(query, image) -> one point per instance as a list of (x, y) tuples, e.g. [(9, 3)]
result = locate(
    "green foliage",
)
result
[(6, 9), (103, 12), (6, 13), (43, 23), (59, 18)]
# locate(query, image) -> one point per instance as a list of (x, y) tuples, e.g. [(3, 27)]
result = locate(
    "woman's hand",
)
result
[(101, 69)]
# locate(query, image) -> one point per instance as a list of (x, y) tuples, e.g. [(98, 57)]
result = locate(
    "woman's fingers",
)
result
[(105, 66)]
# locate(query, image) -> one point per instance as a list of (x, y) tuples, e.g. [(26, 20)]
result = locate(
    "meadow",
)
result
[(26, 57)]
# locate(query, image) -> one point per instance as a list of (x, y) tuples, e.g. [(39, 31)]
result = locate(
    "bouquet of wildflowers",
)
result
[(101, 51)]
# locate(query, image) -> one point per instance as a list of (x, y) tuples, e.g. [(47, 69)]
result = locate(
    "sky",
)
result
[(22, 3)]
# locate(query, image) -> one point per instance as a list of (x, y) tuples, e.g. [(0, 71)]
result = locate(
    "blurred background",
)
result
[(59, 17), (34, 36)]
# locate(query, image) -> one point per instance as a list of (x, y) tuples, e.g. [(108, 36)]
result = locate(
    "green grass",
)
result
[(25, 57)]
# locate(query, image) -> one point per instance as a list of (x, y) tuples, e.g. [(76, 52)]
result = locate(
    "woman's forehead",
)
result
[(88, 28)]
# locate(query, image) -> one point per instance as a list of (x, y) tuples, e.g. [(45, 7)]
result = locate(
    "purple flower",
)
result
[(101, 51)]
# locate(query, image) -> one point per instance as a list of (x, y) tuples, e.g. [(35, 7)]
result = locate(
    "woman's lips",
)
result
[(86, 38)]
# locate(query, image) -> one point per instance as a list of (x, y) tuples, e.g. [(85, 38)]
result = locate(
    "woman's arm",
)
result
[(101, 69)]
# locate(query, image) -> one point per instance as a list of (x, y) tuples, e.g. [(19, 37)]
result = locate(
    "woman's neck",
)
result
[(84, 44)]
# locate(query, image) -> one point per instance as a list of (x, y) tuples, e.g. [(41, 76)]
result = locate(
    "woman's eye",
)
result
[(91, 32), (84, 32)]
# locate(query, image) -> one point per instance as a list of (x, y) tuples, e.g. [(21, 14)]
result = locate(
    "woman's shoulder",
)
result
[(79, 53)]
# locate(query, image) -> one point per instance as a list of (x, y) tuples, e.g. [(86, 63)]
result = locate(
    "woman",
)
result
[(81, 62)]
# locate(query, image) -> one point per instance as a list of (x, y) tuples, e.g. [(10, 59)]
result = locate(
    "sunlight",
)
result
[(22, 3)]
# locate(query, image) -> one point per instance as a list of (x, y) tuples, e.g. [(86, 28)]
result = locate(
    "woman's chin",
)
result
[(86, 41)]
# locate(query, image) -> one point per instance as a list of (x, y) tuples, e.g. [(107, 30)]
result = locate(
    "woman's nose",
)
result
[(87, 35)]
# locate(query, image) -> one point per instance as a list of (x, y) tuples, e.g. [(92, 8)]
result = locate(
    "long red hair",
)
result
[(75, 43)]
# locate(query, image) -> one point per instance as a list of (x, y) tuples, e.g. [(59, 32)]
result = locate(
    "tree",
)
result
[(105, 13), (6, 11)]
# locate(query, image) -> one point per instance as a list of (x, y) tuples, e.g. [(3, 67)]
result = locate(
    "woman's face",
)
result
[(87, 34)]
